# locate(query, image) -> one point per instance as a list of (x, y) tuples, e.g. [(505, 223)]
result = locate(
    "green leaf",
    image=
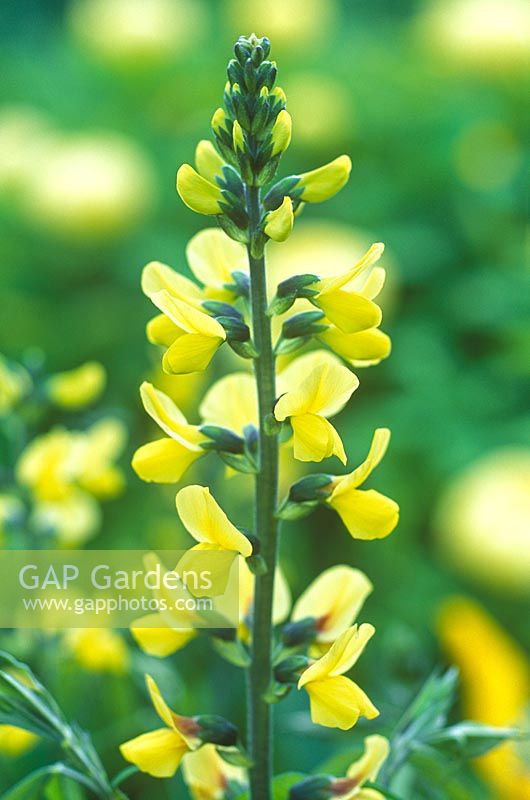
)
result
[(471, 739), (283, 783), (32, 786), (233, 652), (235, 756)]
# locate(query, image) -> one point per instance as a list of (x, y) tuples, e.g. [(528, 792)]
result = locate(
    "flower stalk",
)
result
[(266, 524)]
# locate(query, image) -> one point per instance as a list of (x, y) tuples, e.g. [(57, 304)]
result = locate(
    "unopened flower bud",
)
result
[(281, 133), (279, 223), (216, 730), (305, 324)]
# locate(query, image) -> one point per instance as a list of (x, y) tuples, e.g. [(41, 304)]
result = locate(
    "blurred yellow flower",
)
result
[(491, 35), (157, 638), (314, 387), (310, 90), (98, 649), (90, 186), (166, 460), (495, 678), (213, 257), (15, 383), (78, 387), (336, 701), (231, 402), (333, 601), (24, 134), (15, 741), (288, 23), (367, 514), (135, 34), (102, 444), (487, 155), (207, 775), (483, 518), (160, 752)]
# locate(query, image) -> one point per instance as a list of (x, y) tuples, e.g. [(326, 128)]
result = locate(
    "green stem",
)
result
[(266, 525)]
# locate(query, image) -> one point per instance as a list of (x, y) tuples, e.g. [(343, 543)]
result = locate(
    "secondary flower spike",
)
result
[(366, 513), (336, 701), (317, 387)]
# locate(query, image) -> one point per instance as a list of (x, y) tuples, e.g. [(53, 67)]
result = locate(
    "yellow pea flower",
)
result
[(281, 133), (159, 752), (77, 388), (158, 277), (103, 444), (366, 768), (495, 679), (322, 183), (279, 223), (231, 402), (98, 649), (15, 741), (336, 701), (333, 601), (367, 347), (166, 460), (48, 465), (349, 311), (157, 638), (317, 386), (207, 775), (208, 161), (193, 337), (213, 257), (206, 521), (367, 514), (197, 193)]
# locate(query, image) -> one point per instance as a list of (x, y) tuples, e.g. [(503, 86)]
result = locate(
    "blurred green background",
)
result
[(101, 101)]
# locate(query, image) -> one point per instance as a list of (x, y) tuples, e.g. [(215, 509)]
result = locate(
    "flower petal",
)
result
[(349, 311), (164, 461), (158, 753), (334, 599), (197, 193), (206, 521), (156, 638), (366, 768), (208, 161), (161, 330), (169, 417), (315, 438), (158, 277), (213, 256), (338, 702), (377, 451), (341, 656), (361, 349), (372, 255), (231, 402), (161, 707), (190, 353), (320, 385), (366, 514), (186, 317)]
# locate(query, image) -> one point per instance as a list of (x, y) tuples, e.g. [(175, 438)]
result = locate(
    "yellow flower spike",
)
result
[(322, 183), (281, 133), (218, 121), (367, 514), (213, 257), (206, 521), (316, 386), (495, 685), (207, 775), (15, 741), (208, 161), (159, 752), (198, 336), (333, 600), (158, 277), (197, 193), (279, 223), (238, 137), (166, 460), (77, 388), (336, 701), (157, 638)]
